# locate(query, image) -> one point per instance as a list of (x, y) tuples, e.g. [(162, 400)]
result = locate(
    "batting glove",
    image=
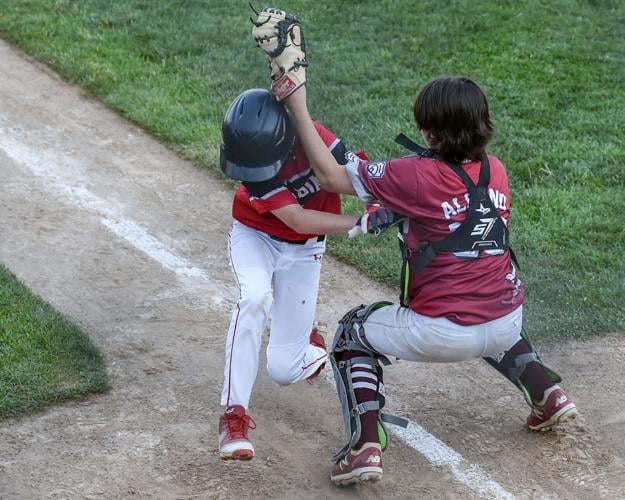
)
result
[(375, 220)]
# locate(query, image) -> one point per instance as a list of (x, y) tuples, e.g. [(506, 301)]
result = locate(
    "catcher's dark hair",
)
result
[(454, 111)]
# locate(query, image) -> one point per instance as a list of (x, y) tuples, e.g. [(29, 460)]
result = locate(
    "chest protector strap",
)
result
[(483, 229)]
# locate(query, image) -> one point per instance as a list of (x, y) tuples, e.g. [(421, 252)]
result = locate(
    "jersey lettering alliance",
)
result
[(295, 184), (463, 289)]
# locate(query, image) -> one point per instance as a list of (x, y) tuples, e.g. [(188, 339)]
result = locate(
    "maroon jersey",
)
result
[(295, 183), (460, 287)]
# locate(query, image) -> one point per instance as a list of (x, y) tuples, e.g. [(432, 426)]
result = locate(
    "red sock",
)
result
[(365, 380), (534, 378)]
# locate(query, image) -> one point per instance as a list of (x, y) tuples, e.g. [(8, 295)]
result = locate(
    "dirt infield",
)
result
[(129, 240)]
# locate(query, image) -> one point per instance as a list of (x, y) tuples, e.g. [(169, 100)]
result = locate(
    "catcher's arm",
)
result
[(375, 220), (331, 175)]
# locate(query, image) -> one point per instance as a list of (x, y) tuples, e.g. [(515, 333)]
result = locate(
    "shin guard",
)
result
[(512, 367), (350, 336)]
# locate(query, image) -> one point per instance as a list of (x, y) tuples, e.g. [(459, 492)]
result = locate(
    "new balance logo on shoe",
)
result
[(359, 466), (555, 408)]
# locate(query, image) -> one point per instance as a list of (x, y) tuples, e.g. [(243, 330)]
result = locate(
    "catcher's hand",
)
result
[(281, 37), (375, 220)]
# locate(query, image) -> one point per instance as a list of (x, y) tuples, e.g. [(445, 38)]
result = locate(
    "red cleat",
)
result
[(319, 330), (359, 466), (318, 333), (233, 441), (555, 407)]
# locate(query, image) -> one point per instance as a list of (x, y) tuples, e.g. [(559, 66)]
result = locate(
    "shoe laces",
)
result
[(238, 426), (539, 411)]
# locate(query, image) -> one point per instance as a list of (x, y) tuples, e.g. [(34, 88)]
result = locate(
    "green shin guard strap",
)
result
[(382, 435)]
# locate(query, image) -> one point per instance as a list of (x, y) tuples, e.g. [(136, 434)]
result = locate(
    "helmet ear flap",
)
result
[(258, 138)]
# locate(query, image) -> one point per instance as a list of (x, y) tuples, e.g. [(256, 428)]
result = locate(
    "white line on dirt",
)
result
[(68, 188), (142, 240), (439, 454), (67, 185)]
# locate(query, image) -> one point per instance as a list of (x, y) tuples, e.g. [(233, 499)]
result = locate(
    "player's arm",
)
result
[(274, 197), (332, 176), (375, 220), (307, 221)]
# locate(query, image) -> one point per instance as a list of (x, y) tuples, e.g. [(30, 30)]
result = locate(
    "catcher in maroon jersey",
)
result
[(461, 297)]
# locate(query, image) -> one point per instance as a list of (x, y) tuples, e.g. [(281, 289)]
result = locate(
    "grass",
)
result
[(44, 357), (554, 73)]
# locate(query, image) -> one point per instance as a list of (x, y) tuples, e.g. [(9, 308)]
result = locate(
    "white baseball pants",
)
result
[(278, 280), (401, 332)]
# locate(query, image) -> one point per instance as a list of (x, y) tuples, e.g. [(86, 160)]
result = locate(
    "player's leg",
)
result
[(252, 260), (400, 332), (394, 331), (403, 333), (291, 354), (510, 351), (358, 376)]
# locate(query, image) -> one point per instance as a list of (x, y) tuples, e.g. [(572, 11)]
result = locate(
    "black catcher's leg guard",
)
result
[(350, 336), (512, 366)]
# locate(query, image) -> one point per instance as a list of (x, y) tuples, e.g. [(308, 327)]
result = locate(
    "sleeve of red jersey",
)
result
[(274, 194), (500, 188), (326, 136), (269, 195), (393, 183), (335, 145)]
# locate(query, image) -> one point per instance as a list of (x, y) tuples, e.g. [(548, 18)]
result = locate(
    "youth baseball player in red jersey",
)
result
[(281, 216), (463, 298)]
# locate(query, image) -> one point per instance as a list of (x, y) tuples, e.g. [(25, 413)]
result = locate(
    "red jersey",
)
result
[(295, 183), (460, 287)]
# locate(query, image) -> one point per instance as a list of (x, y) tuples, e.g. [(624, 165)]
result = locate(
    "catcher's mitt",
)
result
[(280, 35)]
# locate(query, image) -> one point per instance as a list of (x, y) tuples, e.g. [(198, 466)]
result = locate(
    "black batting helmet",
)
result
[(258, 138)]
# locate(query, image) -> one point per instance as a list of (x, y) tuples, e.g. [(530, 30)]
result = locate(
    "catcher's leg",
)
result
[(522, 365), (358, 376)]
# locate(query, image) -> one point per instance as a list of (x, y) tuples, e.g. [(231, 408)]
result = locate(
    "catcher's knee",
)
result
[(350, 334)]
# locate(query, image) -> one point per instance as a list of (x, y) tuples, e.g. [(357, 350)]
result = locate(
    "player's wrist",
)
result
[(286, 85), (296, 102)]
